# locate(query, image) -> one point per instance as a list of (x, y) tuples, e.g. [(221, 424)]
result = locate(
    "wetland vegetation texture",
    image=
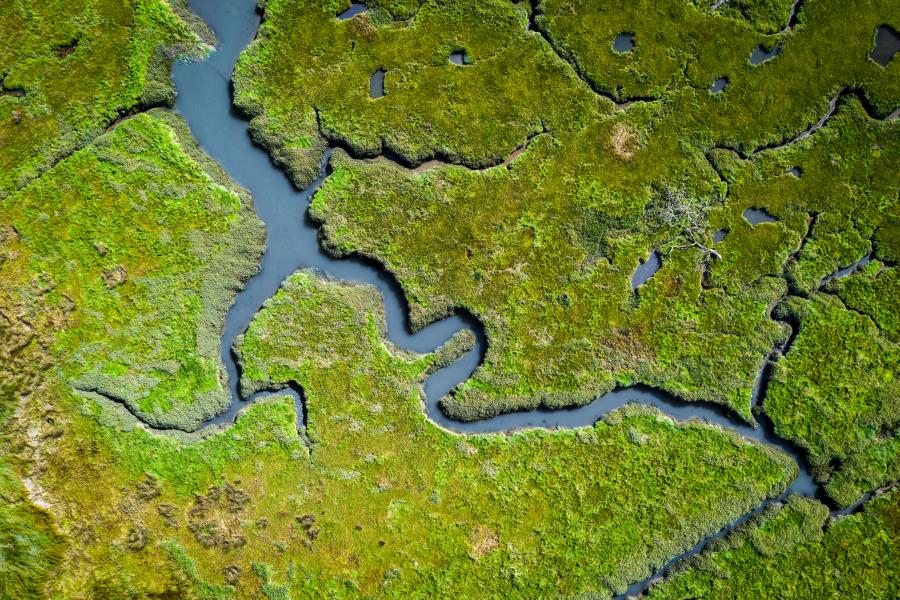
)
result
[(621, 194)]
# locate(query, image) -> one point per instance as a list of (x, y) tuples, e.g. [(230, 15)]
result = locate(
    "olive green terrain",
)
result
[(801, 552), (122, 245)]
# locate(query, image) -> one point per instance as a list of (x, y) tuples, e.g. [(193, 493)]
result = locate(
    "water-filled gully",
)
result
[(205, 101)]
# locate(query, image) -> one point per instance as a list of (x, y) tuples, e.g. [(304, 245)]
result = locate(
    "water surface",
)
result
[(355, 9), (887, 44), (646, 270), (761, 55), (376, 84), (624, 42), (755, 216)]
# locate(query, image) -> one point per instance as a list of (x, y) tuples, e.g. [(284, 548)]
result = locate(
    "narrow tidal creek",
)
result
[(205, 101)]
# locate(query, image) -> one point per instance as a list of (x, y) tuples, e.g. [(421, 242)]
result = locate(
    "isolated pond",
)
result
[(887, 44), (757, 215), (795, 171), (718, 85), (376, 84), (720, 235), (458, 57), (761, 55), (646, 270), (624, 42)]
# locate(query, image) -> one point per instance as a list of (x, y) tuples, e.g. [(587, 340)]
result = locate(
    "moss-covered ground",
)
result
[(380, 502), (145, 248), (122, 245)]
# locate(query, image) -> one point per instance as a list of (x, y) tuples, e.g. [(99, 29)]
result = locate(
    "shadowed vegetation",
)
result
[(797, 552)]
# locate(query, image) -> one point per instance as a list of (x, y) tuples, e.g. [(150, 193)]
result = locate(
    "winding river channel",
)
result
[(205, 101)]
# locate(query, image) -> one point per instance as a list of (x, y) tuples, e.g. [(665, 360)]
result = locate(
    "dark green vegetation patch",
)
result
[(801, 552)]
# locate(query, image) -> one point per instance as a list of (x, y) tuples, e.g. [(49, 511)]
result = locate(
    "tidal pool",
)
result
[(646, 270), (376, 84), (761, 55), (887, 44), (624, 42), (755, 216)]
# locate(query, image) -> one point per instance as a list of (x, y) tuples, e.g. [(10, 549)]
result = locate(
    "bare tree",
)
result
[(688, 215)]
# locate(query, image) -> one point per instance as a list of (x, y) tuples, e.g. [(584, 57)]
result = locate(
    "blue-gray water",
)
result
[(376, 84), (204, 100), (887, 44), (646, 270), (761, 55), (624, 42), (755, 216)]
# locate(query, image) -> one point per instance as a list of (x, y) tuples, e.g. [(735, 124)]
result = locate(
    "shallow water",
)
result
[(204, 100), (720, 235), (718, 85), (887, 44), (646, 270), (355, 9), (761, 55), (755, 216), (458, 58), (624, 42), (848, 270), (376, 84), (795, 172)]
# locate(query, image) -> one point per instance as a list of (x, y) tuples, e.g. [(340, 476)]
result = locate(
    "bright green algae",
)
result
[(796, 551)]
